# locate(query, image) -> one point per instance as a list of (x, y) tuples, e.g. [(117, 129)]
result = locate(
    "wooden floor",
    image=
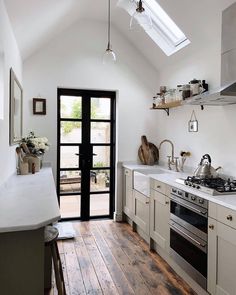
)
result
[(109, 258)]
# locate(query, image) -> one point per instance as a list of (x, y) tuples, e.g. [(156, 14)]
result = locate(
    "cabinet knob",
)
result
[(158, 186), (229, 217), (147, 202), (167, 202), (211, 226)]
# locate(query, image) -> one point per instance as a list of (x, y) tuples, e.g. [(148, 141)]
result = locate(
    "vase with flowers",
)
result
[(35, 146)]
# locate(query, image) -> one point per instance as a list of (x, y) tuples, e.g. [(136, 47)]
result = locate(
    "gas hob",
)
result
[(211, 186)]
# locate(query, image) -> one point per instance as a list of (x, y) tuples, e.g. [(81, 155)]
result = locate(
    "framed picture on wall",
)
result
[(16, 109), (193, 123), (193, 126), (39, 106)]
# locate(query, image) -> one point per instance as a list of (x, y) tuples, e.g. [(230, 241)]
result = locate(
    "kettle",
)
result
[(204, 169)]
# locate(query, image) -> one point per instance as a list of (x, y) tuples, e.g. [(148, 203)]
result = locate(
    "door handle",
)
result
[(94, 154), (188, 236)]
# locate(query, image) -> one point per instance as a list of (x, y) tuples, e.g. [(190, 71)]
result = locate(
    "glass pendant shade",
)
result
[(140, 19), (109, 56)]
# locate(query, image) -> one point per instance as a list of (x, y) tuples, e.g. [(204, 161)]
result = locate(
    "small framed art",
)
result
[(39, 106)]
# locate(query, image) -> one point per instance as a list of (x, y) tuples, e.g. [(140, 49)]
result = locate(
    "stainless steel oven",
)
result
[(188, 234)]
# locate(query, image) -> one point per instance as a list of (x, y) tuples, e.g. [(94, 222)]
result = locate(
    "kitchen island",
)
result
[(27, 204)]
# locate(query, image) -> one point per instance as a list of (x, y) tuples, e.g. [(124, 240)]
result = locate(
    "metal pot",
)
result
[(204, 169)]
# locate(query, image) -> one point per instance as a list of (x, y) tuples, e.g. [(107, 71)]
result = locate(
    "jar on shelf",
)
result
[(195, 86), (154, 104), (178, 92), (170, 96), (186, 93), (157, 100)]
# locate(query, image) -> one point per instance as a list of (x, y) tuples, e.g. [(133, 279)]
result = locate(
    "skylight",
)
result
[(165, 33)]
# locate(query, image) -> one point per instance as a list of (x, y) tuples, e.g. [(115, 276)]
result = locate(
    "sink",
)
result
[(142, 179), (150, 171)]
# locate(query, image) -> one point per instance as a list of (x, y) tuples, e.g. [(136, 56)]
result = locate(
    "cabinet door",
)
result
[(159, 219), (128, 193), (221, 259), (141, 211)]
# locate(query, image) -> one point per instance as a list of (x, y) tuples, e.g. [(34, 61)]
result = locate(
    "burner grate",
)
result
[(216, 184)]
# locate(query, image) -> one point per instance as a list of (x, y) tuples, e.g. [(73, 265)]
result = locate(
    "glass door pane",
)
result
[(70, 132), (71, 107), (99, 204), (70, 206), (69, 157), (99, 180), (101, 156), (100, 132), (70, 182), (100, 108)]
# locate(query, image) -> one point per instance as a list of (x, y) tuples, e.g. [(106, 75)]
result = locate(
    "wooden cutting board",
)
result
[(148, 153)]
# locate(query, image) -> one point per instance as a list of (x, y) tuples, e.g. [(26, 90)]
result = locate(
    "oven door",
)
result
[(189, 252), (190, 216)]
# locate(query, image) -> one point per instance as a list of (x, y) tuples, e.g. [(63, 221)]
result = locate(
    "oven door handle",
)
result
[(188, 236), (189, 207)]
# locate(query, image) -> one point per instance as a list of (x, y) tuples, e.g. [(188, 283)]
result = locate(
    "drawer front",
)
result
[(212, 210), (226, 216), (159, 186)]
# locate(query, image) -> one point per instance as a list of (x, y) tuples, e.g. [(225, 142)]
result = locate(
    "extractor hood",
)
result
[(226, 94), (222, 96)]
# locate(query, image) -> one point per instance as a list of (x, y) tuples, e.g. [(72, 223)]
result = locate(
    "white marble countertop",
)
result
[(169, 177), (28, 202)]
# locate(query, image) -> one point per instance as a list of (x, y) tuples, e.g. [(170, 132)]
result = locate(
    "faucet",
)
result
[(172, 160)]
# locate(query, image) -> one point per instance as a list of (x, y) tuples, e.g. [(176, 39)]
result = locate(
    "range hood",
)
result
[(226, 94), (222, 96)]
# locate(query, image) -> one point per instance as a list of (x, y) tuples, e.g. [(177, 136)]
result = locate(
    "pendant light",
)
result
[(140, 19), (109, 55)]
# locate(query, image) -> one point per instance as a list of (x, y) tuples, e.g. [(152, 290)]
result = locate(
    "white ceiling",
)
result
[(35, 22)]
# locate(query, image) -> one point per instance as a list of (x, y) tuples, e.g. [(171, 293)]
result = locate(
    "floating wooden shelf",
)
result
[(167, 106)]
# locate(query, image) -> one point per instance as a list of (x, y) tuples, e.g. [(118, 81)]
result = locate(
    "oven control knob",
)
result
[(201, 201), (193, 198), (198, 187)]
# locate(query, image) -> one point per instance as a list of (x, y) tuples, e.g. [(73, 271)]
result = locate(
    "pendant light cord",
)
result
[(109, 24)]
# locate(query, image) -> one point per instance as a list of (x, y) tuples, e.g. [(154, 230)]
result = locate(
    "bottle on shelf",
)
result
[(178, 92)]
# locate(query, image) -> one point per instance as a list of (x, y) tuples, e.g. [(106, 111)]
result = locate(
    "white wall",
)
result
[(74, 60), (216, 124), (10, 57)]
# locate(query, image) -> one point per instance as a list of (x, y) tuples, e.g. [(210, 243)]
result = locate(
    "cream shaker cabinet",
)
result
[(221, 258), (141, 211), (128, 193), (160, 214)]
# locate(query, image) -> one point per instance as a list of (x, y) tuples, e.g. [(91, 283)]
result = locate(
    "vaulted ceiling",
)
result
[(36, 22)]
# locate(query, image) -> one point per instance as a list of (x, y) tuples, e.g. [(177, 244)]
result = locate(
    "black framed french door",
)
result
[(86, 153)]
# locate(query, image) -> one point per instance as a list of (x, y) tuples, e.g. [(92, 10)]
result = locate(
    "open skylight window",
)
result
[(165, 33)]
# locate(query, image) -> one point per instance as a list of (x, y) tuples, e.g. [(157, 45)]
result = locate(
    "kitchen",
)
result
[(47, 51)]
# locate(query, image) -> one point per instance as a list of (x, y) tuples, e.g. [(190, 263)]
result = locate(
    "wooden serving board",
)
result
[(148, 153)]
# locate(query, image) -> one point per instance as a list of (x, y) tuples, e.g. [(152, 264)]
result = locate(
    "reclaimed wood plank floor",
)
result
[(109, 258)]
